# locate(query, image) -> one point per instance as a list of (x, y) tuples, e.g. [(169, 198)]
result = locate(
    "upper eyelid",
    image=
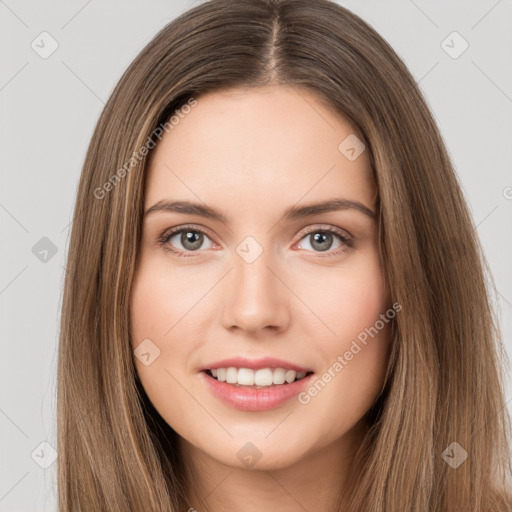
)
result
[(326, 227), (177, 229)]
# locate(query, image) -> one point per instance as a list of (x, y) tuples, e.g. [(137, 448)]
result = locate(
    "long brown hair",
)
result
[(444, 383)]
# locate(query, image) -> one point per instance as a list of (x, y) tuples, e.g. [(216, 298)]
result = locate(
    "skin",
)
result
[(252, 154)]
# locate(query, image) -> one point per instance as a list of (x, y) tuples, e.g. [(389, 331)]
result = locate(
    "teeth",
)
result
[(262, 377), (245, 377), (290, 375), (231, 375), (279, 376)]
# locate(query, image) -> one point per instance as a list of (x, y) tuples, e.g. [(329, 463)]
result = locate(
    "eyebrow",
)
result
[(292, 213)]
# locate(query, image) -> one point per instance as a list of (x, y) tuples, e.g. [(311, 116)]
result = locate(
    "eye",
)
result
[(190, 238), (322, 240)]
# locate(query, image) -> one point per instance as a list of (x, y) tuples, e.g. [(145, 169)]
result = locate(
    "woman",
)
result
[(268, 303)]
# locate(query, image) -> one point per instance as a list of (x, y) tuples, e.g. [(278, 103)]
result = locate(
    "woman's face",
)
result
[(258, 273)]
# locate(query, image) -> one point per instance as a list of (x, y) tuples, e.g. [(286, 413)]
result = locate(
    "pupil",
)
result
[(191, 240), (323, 239)]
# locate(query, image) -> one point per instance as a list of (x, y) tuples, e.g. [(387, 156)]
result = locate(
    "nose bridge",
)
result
[(256, 298)]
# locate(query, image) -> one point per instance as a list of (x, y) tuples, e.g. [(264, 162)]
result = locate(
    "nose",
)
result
[(256, 296)]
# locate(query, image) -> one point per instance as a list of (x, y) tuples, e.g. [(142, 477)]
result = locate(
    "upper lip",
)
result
[(255, 364)]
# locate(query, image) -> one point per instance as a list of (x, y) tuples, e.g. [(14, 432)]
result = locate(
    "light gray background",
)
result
[(48, 111)]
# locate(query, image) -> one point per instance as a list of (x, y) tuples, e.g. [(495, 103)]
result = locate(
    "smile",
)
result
[(253, 397)]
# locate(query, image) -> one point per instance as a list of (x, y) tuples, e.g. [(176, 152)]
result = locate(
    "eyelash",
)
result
[(167, 235)]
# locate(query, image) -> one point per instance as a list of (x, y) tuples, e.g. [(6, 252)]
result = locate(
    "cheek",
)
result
[(348, 299), (161, 301), (358, 310), (361, 300), (157, 310), (159, 314), (151, 308)]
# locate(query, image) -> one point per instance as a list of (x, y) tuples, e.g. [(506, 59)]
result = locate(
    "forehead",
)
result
[(269, 146)]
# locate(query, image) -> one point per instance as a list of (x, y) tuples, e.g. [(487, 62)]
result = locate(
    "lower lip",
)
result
[(252, 399)]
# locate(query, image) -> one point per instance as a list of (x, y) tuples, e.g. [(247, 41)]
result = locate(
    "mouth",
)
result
[(256, 390), (263, 378), (253, 385)]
